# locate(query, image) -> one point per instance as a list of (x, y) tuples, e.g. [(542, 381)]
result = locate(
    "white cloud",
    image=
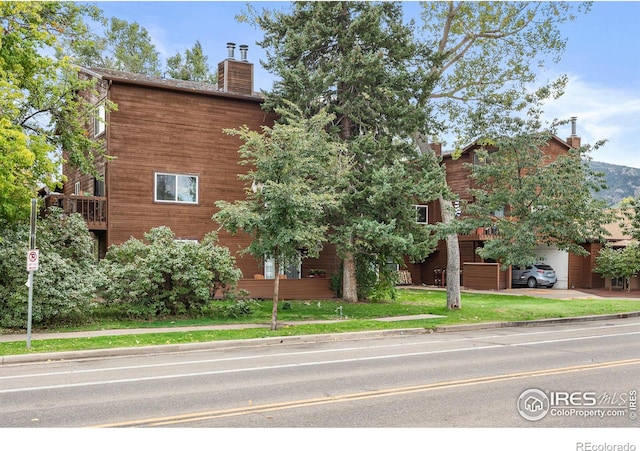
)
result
[(603, 113)]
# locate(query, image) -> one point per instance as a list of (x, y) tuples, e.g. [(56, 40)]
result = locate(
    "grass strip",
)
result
[(476, 308)]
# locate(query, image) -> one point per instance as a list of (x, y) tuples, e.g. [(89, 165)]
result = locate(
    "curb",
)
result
[(274, 341), (200, 346), (532, 323)]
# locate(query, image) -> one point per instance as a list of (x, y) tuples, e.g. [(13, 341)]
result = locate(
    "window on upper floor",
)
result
[(76, 189), (98, 187), (100, 120), (422, 214), (176, 188), (479, 159)]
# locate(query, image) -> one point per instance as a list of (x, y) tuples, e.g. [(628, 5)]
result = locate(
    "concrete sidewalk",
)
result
[(535, 292), (160, 330), (545, 293)]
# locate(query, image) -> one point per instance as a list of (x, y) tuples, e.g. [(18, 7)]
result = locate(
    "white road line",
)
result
[(305, 364), (319, 351)]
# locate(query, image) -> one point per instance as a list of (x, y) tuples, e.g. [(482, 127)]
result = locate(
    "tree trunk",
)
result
[(276, 290), (453, 258), (349, 281), (453, 249)]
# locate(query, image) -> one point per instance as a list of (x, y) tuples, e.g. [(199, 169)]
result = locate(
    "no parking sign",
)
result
[(32, 260)]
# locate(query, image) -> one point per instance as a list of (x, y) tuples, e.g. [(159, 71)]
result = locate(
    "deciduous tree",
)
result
[(40, 111), (193, 66), (619, 262), (541, 199), (488, 55), (122, 46), (291, 184)]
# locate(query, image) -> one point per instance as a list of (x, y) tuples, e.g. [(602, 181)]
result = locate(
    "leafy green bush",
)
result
[(164, 276), (63, 285)]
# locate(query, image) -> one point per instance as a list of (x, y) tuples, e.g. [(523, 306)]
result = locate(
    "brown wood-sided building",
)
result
[(573, 271), (170, 160)]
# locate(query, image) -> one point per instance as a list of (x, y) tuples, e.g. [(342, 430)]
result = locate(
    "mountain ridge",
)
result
[(622, 181)]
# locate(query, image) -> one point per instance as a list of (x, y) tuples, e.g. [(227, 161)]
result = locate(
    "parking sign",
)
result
[(32, 260)]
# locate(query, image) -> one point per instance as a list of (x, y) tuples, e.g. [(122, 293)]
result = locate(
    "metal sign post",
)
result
[(32, 265)]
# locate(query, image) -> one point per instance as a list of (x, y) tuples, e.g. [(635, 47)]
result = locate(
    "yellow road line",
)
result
[(201, 416)]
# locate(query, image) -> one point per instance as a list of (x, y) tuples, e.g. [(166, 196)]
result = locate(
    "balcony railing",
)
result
[(93, 209), (480, 234)]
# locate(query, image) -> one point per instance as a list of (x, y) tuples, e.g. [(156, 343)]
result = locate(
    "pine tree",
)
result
[(357, 60)]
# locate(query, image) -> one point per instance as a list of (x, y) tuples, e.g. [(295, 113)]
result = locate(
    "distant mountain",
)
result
[(622, 181)]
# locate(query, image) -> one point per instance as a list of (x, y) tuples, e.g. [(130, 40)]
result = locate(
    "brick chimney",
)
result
[(573, 140), (236, 76), (437, 148)]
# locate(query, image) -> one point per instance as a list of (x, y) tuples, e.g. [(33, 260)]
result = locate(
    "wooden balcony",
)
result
[(93, 209), (480, 234)]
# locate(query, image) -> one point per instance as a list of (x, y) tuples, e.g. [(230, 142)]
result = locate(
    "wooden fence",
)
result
[(485, 276)]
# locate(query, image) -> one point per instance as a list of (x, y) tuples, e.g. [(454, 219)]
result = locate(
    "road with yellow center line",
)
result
[(471, 379), (400, 391)]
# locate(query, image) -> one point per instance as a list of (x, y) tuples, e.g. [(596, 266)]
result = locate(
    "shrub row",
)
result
[(142, 278)]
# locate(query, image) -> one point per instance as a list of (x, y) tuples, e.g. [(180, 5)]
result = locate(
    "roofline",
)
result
[(473, 144), (171, 84)]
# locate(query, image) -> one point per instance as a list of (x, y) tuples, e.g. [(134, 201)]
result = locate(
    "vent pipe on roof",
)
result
[(243, 52), (573, 126), (231, 47)]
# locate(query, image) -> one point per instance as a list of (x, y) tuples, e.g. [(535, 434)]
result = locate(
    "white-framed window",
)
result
[(76, 188), (422, 214), (392, 266), (292, 270), (100, 120), (186, 241), (181, 188)]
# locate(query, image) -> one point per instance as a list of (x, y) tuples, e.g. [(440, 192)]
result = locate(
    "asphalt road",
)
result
[(455, 379)]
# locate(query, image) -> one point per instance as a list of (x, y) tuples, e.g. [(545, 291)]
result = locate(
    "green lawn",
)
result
[(476, 308)]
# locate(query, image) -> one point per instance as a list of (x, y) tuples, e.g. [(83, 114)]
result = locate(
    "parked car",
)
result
[(539, 274)]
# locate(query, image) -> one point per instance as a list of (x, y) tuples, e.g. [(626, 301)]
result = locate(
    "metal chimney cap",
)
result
[(231, 46), (573, 125), (243, 52)]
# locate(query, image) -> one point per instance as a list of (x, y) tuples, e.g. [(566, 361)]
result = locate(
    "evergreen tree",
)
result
[(358, 60)]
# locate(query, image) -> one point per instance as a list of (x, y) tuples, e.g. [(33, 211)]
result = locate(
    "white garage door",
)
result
[(557, 259)]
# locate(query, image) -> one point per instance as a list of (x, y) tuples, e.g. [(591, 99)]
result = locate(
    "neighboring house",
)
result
[(170, 160), (572, 270), (619, 238)]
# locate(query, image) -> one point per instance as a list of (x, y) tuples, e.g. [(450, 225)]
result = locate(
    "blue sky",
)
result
[(602, 61)]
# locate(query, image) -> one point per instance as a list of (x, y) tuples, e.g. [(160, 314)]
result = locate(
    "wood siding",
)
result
[(288, 289), (235, 76), (157, 130), (581, 273)]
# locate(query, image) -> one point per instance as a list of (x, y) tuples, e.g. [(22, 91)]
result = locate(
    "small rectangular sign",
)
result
[(32, 260)]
